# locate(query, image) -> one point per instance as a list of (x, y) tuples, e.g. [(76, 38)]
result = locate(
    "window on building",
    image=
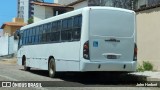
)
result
[(127, 4), (153, 2), (58, 12)]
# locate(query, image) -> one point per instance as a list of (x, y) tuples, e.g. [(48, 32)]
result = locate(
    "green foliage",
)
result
[(146, 66), (140, 68), (30, 20)]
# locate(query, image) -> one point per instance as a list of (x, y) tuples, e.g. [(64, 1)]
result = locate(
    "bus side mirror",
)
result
[(17, 35)]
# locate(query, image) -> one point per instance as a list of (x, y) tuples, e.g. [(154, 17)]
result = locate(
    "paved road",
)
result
[(71, 81)]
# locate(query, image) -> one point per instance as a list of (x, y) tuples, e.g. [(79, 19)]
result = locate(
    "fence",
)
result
[(8, 45)]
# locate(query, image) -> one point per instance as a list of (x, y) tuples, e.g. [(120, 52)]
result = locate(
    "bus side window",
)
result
[(23, 37), (77, 27), (44, 33), (48, 32), (66, 32), (58, 31), (33, 35), (20, 38), (40, 33), (55, 31), (26, 37), (37, 34), (54, 24), (30, 36)]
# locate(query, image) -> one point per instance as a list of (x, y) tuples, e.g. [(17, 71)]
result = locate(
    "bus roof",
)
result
[(73, 13)]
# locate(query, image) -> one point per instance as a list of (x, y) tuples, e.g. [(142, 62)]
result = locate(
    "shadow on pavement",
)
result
[(96, 78), (104, 78)]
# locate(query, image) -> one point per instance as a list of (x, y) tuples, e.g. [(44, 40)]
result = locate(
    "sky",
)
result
[(8, 10)]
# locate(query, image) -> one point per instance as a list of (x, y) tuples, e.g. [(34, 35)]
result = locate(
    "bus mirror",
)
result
[(16, 35)]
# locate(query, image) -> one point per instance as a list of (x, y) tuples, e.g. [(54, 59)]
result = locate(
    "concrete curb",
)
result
[(150, 75)]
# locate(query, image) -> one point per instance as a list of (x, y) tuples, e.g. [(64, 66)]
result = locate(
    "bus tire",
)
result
[(51, 68), (25, 67)]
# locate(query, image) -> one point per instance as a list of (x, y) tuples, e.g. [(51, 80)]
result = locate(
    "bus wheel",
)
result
[(51, 68), (25, 67)]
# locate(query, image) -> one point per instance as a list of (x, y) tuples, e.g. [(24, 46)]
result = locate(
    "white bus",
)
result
[(88, 39)]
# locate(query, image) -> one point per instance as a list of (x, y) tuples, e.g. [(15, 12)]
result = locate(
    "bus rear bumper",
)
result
[(129, 66)]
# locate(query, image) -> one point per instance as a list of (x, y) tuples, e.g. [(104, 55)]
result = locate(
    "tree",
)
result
[(30, 20)]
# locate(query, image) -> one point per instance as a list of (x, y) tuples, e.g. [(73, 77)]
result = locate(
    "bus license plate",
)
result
[(111, 57)]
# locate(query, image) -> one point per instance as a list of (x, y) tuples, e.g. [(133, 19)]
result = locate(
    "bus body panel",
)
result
[(39, 55), (124, 66), (111, 40), (111, 35)]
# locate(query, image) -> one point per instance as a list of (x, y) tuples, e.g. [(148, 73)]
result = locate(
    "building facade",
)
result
[(9, 44), (128, 4), (9, 28), (45, 10), (146, 3), (64, 2), (148, 31), (25, 9), (148, 38)]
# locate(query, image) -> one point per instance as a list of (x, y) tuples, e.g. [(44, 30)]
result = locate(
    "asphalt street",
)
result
[(70, 81)]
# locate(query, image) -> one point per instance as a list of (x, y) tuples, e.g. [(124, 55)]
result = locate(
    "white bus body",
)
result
[(107, 43)]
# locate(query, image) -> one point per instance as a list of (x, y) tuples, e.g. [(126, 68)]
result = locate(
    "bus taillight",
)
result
[(86, 50), (135, 52)]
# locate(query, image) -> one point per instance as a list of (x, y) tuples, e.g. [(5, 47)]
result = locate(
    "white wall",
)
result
[(39, 13), (148, 36), (13, 45), (55, 1), (76, 6), (42, 12), (81, 5), (48, 12), (1, 33), (64, 2), (4, 45), (8, 45)]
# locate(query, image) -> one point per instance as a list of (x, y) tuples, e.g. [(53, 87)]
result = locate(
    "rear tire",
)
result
[(25, 67), (51, 68)]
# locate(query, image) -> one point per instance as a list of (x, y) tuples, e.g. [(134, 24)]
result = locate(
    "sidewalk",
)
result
[(4, 60), (151, 75)]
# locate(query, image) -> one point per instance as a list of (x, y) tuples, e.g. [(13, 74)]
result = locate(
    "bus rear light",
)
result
[(86, 50), (86, 46), (135, 52)]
